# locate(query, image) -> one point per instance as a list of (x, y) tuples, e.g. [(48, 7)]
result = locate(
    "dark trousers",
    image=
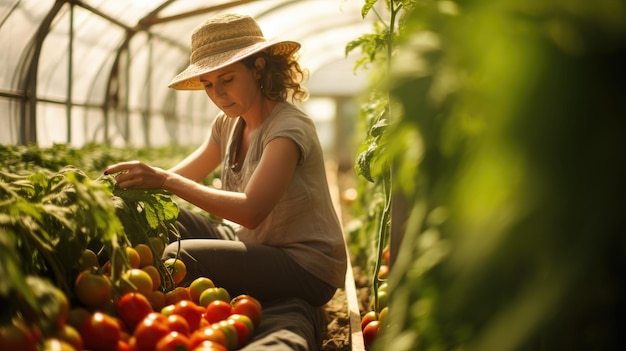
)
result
[(264, 272)]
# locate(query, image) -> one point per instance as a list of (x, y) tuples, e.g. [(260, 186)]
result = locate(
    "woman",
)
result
[(273, 180)]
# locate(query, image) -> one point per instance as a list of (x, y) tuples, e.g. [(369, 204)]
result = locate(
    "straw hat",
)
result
[(223, 40)]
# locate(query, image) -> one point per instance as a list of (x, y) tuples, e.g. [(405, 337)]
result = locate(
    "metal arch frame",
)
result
[(26, 96)]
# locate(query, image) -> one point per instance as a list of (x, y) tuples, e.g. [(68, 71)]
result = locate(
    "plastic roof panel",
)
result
[(104, 65), (19, 21)]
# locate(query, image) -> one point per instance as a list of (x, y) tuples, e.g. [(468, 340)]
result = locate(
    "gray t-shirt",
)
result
[(304, 222)]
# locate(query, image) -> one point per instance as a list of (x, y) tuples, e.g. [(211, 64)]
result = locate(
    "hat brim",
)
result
[(189, 79)]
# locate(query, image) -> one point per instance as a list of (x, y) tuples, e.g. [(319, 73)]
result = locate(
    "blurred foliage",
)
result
[(507, 135)]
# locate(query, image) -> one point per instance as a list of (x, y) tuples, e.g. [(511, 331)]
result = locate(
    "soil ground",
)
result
[(337, 334)]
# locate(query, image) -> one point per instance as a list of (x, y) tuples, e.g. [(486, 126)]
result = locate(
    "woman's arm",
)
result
[(265, 188)]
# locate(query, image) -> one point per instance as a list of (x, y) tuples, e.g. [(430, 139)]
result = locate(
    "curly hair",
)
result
[(282, 77)]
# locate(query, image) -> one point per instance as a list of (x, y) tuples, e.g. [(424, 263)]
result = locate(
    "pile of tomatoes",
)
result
[(133, 313)]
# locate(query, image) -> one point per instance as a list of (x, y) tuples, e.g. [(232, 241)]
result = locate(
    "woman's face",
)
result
[(234, 88)]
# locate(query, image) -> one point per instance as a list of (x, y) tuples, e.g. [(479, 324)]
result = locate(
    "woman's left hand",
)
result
[(137, 175)]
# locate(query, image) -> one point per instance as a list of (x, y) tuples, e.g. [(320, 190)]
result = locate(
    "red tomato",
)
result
[(370, 332), (250, 307), (149, 331), (207, 333), (100, 332), (17, 337), (92, 290), (122, 346), (178, 324), (217, 310), (368, 317), (132, 307), (208, 345), (174, 341), (190, 311)]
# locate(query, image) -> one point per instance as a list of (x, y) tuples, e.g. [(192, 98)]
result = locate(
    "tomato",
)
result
[(230, 332), (133, 257), (244, 296), (368, 317), (173, 341), (88, 260), (154, 274), (207, 333), (70, 335), (198, 286), (241, 330), (208, 345), (146, 258), (123, 346), (248, 306), (92, 290), (178, 324), (190, 311), (386, 253), (100, 332), (382, 316), (77, 316), (178, 294), (157, 300), (17, 337), (177, 268), (158, 245), (136, 280), (212, 294), (245, 320), (149, 331), (370, 332), (382, 300), (217, 310), (383, 272), (132, 307), (54, 344)]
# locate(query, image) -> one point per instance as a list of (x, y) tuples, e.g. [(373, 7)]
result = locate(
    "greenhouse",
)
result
[(337, 175)]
